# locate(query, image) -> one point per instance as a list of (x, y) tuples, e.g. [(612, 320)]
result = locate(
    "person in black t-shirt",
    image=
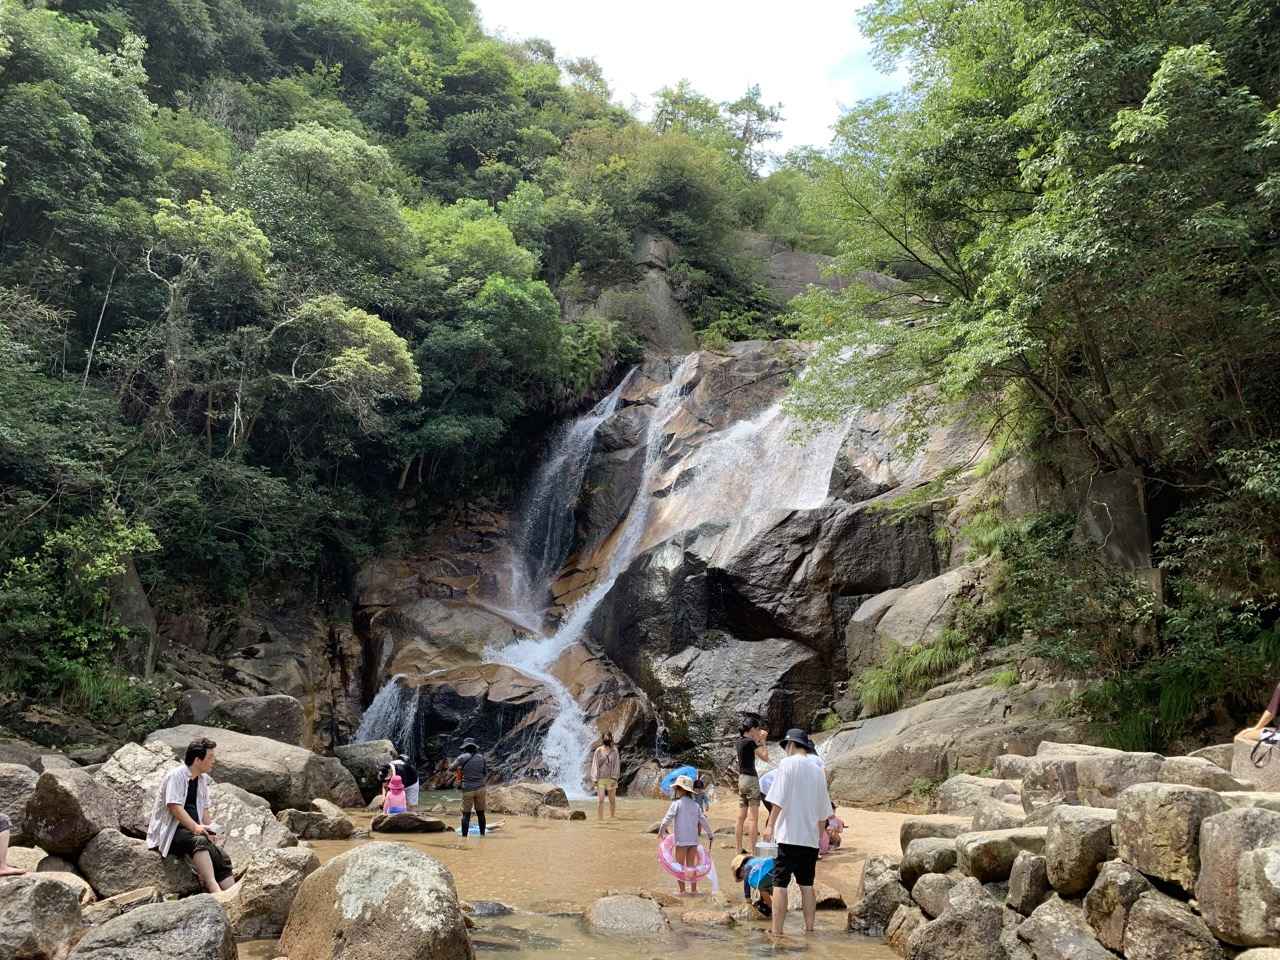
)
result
[(1268, 717), (750, 748)]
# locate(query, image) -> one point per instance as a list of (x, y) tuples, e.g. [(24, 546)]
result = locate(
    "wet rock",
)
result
[(1236, 899), (315, 825), (407, 822), (963, 794), (1218, 754), (109, 908), (282, 774), (873, 868), (194, 929), (380, 901), (917, 828), (931, 855), (1112, 896), (17, 784), (559, 813), (1160, 927), (524, 799), (989, 856), (1200, 772), (67, 809), (1028, 883), (968, 929), (114, 864), (998, 815), (39, 917), (1078, 840), (488, 908), (364, 760), (277, 717), (882, 894), (1158, 829), (258, 905), (627, 916), (932, 892), (707, 918), (1057, 930), (902, 924)]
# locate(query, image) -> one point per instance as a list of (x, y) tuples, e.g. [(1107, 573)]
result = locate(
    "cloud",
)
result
[(808, 55)]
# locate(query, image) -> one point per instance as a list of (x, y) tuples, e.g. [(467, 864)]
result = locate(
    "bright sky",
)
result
[(806, 54)]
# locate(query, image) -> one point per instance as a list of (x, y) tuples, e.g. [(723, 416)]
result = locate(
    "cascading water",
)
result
[(391, 716), (570, 737)]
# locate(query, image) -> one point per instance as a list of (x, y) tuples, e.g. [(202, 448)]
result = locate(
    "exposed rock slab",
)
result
[(276, 716), (969, 929), (932, 892), (1108, 903), (258, 905), (1160, 927), (1057, 931), (625, 915), (882, 894), (1028, 883), (989, 856), (1078, 840), (39, 917), (1158, 829), (916, 828), (930, 855), (194, 929), (115, 864), (67, 809), (964, 794), (1237, 901)]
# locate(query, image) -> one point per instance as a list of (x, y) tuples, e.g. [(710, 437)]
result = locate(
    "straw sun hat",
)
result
[(684, 783)]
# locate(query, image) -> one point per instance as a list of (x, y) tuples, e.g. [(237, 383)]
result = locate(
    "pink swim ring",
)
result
[(667, 860)]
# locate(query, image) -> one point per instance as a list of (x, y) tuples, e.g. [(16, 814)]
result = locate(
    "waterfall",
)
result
[(541, 542), (392, 716), (570, 736)]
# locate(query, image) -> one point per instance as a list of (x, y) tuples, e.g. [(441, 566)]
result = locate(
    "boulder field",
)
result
[(1100, 854)]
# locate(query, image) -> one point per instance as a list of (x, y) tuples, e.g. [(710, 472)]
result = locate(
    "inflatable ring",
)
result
[(667, 860)]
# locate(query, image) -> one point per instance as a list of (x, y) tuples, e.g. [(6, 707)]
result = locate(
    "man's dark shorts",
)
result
[(185, 843), (792, 859)]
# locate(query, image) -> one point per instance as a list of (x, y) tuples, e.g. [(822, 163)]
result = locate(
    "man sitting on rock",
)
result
[(5, 869), (181, 822)]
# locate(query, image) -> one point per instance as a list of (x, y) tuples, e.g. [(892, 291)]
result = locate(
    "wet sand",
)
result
[(541, 867)]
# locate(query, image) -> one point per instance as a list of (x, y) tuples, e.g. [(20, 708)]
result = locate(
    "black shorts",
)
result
[(185, 843), (792, 859)]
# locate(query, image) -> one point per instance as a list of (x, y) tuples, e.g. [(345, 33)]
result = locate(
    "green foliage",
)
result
[(1005, 679), (884, 687)]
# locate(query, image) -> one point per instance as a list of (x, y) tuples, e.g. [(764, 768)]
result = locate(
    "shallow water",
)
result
[(546, 868)]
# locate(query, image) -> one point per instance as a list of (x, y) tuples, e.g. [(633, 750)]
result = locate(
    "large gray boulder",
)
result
[(1158, 829), (917, 828), (282, 774), (1219, 754), (133, 773), (989, 856), (1028, 883), (380, 901), (626, 915), (964, 794), (998, 815), (324, 821), (882, 894), (1078, 839), (969, 929), (1101, 779), (1265, 778), (1057, 930), (258, 905), (17, 784), (411, 822), (932, 893), (923, 611), (277, 717), (39, 917), (1200, 772), (363, 760), (193, 929), (68, 809), (115, 864), (1108, 903), (1237, 899), (1160, 927), (524, 799), (930, 855), (902, 924)]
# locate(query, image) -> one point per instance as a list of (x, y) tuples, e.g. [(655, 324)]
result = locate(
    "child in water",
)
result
[(700, 794), (685, 820), (395, 800)]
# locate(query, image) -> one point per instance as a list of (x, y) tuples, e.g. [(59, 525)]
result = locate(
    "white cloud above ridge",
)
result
[(810, 56)]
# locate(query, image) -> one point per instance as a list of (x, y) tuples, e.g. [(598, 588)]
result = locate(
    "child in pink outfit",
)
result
[(395, 800), (830, 835)]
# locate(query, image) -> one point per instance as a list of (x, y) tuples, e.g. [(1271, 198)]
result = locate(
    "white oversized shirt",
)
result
[(173, 789), (800, 789)]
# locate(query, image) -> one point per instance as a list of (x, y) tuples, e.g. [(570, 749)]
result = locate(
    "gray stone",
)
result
[(881, 896), (1236, 907), (379, 901), (969, 929), (314, 825), (902, 924), (39, 918), (989, 856), (194, 706), (1160, 927), (998, 815), (1260, 953), (932, 893), (1012, 766), (1057, 930), (194, 929), (1101, 779), (1200, 772), (406, 822), (277, 717), (1219, 754), (1028, 883), (917, 828), (258, 905), (964, 794), (925, 610), (1078, 840), (134, 773), (1265, 778), (115, 864), (1108, 903), (67, 809), (1158, 829), (625, 915), (73, 880), (101, 911), (363, 760), (17, 784), (929, 855), (524, 799)]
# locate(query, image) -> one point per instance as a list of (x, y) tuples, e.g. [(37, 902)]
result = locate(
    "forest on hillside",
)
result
[(265, 264)]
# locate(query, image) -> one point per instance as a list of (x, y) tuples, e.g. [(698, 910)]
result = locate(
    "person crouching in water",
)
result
[(762, 900), (685, 820), (181, 820), (473, 771)]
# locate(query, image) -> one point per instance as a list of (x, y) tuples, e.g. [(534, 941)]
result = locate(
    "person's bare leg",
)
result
[(600, 792), (613, 803), (204, 870), (753, 816), (5, 869), (739, 829), (779, 910), (809, 902)]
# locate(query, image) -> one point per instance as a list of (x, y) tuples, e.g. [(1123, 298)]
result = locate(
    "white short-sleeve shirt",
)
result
[(800, 789), (173, 789)]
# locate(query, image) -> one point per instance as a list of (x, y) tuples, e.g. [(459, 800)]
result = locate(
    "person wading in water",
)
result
[(474, 770), (606, 767)]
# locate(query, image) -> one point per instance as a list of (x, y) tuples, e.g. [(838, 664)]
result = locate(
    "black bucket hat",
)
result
[(799, 738), (470, 742)]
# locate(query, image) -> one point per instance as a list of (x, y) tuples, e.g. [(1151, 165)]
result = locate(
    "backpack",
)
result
[(1268, 740)]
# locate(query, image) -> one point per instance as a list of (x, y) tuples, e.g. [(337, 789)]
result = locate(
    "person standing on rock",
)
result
[(5, 869), (181, 822), (474, 771), (801, 806), (750, 748), (606, 768)]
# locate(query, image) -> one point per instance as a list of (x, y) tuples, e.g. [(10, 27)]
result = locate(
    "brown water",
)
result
[(545, 869)]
